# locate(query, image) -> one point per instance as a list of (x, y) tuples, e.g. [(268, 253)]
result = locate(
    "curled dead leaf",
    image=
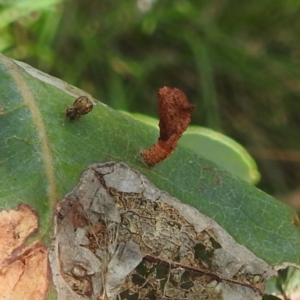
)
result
[(174, 118)]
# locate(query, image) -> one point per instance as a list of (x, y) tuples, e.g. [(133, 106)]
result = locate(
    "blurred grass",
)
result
[(238, 61)]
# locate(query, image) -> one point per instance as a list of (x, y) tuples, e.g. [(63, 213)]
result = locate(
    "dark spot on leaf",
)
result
[(187, 285), (138, 280), (215, 244), (151, 295), (203, 255), (128, 295)]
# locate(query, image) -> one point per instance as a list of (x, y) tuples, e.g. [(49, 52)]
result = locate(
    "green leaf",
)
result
[(287, 283), (223, 151), (42, 155), (216, 147)]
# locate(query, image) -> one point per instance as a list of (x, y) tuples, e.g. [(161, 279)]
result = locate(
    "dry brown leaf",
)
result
[(24, 272), (119, 237), (174, 118)]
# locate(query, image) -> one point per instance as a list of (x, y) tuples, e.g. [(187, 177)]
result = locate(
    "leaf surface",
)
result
[(216, 147), (42, 156)]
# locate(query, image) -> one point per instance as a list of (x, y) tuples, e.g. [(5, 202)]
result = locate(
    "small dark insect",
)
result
[(81, 106)]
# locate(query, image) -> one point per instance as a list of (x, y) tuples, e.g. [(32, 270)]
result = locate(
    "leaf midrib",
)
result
[(37, 119)]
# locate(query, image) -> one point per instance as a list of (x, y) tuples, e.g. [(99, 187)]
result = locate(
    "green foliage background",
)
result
[(238, 61)]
